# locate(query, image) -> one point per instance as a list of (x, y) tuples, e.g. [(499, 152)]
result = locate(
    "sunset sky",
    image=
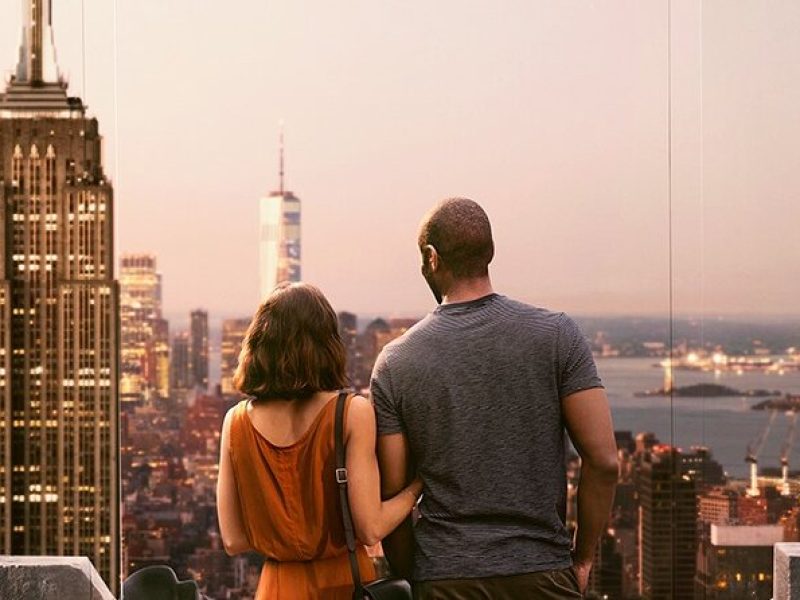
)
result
[(553, 115)]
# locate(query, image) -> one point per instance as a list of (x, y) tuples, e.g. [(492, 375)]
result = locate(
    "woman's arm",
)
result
[(372, 519), (229, 512)]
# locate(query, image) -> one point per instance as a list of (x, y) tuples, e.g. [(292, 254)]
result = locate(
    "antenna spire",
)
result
[(281, 159), (37, 54)]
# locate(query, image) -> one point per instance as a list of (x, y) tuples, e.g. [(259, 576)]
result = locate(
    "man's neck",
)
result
[(466, 290)]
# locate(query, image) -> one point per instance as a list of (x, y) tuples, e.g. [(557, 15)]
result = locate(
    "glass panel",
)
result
[(736, 323)]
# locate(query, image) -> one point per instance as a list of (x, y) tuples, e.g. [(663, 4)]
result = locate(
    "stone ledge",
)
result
[(50, 578), (786, 571)]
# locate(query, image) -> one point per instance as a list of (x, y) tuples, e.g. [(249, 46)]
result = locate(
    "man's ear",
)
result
[(430, 256)]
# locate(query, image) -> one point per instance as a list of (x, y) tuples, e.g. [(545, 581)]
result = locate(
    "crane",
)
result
[(753, 450), (785, 451)]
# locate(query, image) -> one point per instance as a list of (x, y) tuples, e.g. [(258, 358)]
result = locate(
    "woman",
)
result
[(277, 492)]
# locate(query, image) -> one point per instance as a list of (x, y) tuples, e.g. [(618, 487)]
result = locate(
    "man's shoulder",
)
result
[(528, 314), (413, 336)]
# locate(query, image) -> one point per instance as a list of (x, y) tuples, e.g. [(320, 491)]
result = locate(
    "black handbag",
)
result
[(383, 589)]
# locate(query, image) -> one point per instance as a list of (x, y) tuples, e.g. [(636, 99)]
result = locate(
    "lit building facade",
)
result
[(279, 244), (159, 358), (144, 363), (233, 332), (735, 561), (59, 319)]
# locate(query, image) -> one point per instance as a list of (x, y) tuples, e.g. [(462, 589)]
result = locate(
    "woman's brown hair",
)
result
[(292, 348)]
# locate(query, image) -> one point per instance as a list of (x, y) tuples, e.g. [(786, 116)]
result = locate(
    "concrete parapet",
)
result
[(50, 578)]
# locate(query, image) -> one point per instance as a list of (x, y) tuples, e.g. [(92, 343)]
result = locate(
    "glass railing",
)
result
[(638, 162)]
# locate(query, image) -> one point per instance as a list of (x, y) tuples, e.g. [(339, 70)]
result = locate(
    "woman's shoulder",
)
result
[(238, 409), (360, 414), (359, 405), (234, 416)]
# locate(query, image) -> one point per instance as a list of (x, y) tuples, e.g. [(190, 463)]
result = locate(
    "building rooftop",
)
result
[(746, 535)]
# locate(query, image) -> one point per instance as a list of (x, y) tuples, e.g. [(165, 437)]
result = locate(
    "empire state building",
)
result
[(59, 484)]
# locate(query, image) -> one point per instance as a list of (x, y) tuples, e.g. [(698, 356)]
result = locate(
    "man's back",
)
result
[(476, 389)]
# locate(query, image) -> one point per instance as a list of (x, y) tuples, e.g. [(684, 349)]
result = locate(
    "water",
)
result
[(725, 425)]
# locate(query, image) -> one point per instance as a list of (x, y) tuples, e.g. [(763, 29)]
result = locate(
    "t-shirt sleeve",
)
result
[(575, 364), (384, 401)]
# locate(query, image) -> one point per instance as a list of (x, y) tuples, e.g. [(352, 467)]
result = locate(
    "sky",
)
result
[(552, 115)]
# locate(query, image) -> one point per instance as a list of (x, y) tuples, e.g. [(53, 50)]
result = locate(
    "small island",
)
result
[(789, 402), (708, 390)]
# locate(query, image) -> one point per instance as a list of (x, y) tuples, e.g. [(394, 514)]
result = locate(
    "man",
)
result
[(475, 399)]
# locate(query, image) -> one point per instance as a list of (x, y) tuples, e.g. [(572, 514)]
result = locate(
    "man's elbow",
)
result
[(604, 467)]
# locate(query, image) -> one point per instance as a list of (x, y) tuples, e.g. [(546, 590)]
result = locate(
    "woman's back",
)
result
[(290, 505)]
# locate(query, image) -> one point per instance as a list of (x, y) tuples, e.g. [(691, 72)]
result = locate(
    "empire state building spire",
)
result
[(37, 53)]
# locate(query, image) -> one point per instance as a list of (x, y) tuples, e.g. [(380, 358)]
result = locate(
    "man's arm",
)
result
[(396, 473), (588, 421), (373, 519)]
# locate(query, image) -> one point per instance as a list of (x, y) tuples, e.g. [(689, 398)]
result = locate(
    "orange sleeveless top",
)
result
[(291, 511)]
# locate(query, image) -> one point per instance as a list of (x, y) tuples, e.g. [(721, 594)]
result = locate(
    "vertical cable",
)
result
[(674, 459), (117, 553), (702, 215), (83, 50), (117, 176), (85, 171), (706, 462)]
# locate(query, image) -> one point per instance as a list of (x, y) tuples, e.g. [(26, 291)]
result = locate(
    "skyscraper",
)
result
[(199, 348), (279, 236), (180, 363), (144, 334), (159, 371), (348, 331), (233, 332), (735, 561), (667, 526), (59, 318)]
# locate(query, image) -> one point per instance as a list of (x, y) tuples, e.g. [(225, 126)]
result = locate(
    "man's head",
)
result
[(455, 240)]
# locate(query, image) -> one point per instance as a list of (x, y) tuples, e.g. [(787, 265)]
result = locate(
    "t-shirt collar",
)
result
[(455, 308)]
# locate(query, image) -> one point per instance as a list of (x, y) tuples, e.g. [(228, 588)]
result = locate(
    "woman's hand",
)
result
[(373, 519), (415, 487)]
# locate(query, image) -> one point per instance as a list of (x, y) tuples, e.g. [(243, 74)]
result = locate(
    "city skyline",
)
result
[(563, 139), (554, 117)]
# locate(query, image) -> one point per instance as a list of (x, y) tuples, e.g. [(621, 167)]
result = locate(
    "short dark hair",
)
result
[(460, 231), (292, 348)]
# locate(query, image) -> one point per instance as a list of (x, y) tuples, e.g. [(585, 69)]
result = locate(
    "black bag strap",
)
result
[(341, 479)]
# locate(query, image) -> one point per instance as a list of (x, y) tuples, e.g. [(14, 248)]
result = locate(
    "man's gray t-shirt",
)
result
[(476, 387)]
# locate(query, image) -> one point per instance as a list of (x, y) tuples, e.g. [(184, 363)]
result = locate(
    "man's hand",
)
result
[(582, 570), (588, 422)]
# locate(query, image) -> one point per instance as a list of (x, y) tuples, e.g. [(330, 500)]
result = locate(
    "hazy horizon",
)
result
[(180, 321), (554, 117)]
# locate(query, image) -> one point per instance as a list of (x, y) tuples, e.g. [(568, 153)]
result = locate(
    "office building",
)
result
[(144, 333), (348, 331), (59, 318), (180, 363), (233, 332), (279, 236), (199, 349), (735, 561), (667, 526)]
